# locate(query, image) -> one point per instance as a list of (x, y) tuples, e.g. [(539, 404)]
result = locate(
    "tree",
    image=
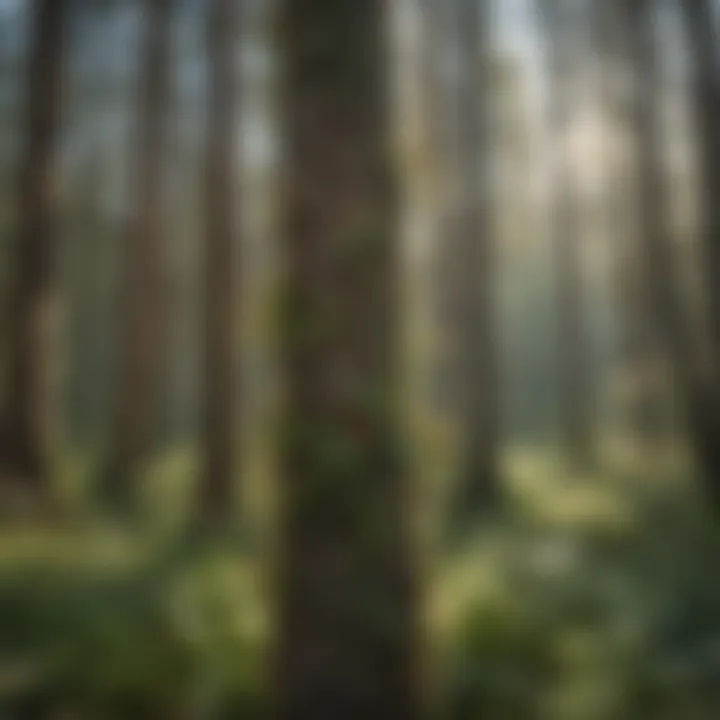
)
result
[(90, 250), (141, 351), (705, 94), (219, 426), (573, 350), (638, 351), (27, 444), (469, 266), (696, 386), (701, 32), (348, 603)]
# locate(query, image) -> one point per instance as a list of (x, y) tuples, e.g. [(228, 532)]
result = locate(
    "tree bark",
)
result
[(220, 431), (638, 351), (697, 387), (705, 97), (142, 352), (575, 381), (700, 25), (27, 445), (473, 328), (348, 597)]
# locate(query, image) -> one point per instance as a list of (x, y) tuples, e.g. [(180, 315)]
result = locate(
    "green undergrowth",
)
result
[(593, 595)]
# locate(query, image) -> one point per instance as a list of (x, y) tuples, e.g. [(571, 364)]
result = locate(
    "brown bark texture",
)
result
[(27, 444), (144, 331), (347, 586), (220, 427)]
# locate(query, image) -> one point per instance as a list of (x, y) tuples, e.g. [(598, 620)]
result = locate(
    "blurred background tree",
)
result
[(27, 433)]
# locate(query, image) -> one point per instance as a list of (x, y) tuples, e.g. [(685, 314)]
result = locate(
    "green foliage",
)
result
[(597, 599), (592, 598), (501, 662), (164, 630)]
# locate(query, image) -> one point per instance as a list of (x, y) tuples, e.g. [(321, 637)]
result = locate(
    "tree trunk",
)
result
[(702, 38), (87, 273), (573, 342), (699, 392), (638, 351), (348, 602), (27, 443), (705, 92), (219, 420), (144, 338), (473, 318)]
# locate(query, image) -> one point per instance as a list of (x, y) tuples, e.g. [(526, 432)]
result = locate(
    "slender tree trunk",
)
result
[(655, 227), (698, 390), (144, 338), (573, 349), (474, 314), (441, 19), (86, 275), (702, 36), (219, 426), (27, 444), (348, 603), (638, 350)]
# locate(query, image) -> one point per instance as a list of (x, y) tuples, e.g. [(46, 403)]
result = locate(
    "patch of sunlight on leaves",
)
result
[(257, 486), (577, 647), (554, 556), (586, 509), (167, 486), (80, 548), (544, 492), (75, 469), (585, 696), (219, 600), (477, 577)]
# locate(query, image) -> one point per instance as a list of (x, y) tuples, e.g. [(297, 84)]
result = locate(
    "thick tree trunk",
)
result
[(699, 391), (219, 399), (348, 600), (473, 318), (144, 338), (27, 442), (574, 382)]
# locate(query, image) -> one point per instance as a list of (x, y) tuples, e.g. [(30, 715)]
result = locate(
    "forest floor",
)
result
[(593, 596)]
